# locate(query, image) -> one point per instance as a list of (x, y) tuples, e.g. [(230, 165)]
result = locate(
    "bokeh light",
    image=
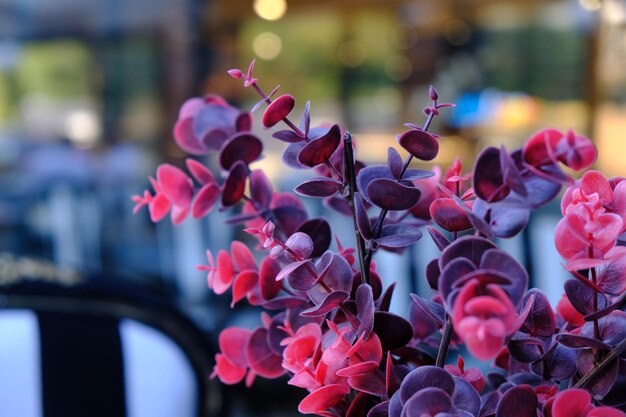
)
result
[(270, 9), (267, 45)]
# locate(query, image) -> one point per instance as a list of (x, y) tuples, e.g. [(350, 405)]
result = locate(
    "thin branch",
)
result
[(351, 180), (442, 353), (597, 370)]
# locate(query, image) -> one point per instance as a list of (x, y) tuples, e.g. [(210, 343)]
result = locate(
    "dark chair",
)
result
[(94, 348)]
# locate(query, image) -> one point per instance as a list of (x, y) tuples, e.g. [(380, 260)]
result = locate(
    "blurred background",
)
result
[(90, 89)]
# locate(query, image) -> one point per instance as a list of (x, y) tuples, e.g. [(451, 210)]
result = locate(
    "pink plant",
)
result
[(331, 330)]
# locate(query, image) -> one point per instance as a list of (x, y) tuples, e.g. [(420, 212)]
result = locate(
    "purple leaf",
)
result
[(385, 300), (422, 318), (368, 174), (511, 175), (365, 309), (519, 401), (419, 143), (430, 308), (287, 136), (581, 297), (394, 331), (305, 120), (426, 377), (276, 333), (429, 401), (433, 273), (338, 204), (487, 178), (504, 220), (282, 303), (398, 236), (449, 215), (244, 147), (379, 410), (417, 174), (497, 259), (602, 384), (455, 270), (300, 275), (440, 240), (362, 219), (319, 231), (391, 195), (235, 184), (470, 247), (525, 350), (319, 187), (465, 396), (540, 322), (329, 303), (318, 150), (577, 341), (269, 270), (243, 122), (290, 155), (261, 357), (260, 188), (289, 218), (394, 161)]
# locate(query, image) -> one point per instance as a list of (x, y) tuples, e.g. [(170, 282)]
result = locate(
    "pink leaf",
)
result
[(278, 110), (201, 173), (243, 283), (323, 398), (176, 185), (205, 200)]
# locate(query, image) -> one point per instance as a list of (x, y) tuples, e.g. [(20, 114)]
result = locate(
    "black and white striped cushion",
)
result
[(65, 365)]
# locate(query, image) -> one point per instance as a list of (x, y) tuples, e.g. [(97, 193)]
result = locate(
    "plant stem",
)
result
[(442, 353), (597, 370), (596, 326), (348, 154), (378, 226), (295, 129)]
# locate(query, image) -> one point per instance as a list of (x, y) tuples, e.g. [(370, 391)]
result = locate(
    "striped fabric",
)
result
[(55, 364)]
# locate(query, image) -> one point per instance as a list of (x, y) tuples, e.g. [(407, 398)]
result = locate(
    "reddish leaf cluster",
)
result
[(326, 322)]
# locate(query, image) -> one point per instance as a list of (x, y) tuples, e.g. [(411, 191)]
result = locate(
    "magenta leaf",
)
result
[(323, 398), (278, 110), (305, 120), (419, 143), (205, 200), (233, 342), (447, 214), (200, 172), (235, 184), (186, 139), (319, 150), (175, 184), (267, 278), (366, 383), (243, 122), (243, 283), (319, 187)]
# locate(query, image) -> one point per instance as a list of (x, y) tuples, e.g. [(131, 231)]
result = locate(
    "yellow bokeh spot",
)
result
[(270, 9)]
